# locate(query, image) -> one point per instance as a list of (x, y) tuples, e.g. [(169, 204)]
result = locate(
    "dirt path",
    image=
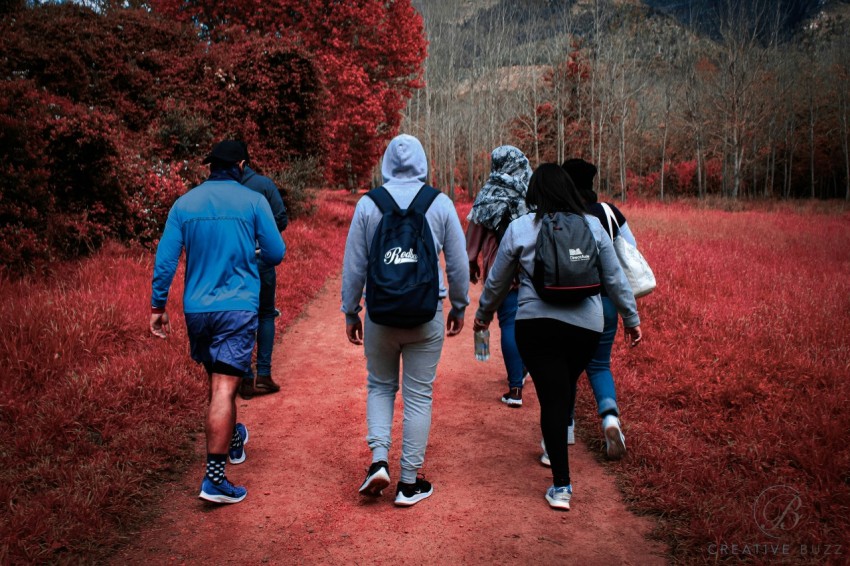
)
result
[(307, 456)]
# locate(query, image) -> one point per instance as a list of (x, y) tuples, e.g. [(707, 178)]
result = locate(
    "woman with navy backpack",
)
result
[(599, 369), (556, 341)]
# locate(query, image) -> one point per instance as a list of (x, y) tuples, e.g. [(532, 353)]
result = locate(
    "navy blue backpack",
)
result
[(566, 259), (402, 281)]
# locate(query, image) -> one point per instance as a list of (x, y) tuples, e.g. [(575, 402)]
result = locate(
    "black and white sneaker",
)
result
[(407, 494), (377, 478), (513, 398)]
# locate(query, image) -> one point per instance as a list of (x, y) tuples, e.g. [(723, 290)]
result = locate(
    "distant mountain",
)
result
[(536, 20), (706, 15), (524, 29)]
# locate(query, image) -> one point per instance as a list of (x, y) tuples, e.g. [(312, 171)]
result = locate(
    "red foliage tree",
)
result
[(99, 136), (369, 54)]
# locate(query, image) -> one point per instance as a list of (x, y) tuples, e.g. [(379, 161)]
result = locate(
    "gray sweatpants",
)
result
[(386, 349)]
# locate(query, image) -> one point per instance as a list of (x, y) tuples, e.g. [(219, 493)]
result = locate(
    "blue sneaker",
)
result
[(559, 497), (225, 492), (237, 455)]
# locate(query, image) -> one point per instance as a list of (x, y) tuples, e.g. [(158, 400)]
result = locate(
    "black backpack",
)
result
[(402, 281), (566, 259)]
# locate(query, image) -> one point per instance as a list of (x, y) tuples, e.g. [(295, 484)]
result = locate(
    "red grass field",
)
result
[(94, 412), (739, 391), (741, 385)]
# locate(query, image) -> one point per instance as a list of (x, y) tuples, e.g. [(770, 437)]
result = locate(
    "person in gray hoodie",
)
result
[(556, 341), (418, 349)]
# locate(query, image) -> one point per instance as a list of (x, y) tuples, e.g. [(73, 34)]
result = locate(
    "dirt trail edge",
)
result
[(307, 456)]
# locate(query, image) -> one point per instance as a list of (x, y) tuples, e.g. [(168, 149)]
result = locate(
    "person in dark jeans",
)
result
[(220, 297), (264, 383), (500, 200), (599, 368), (556, 341)]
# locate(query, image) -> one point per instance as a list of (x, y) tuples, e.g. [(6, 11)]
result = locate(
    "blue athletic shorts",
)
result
[(222, 341)]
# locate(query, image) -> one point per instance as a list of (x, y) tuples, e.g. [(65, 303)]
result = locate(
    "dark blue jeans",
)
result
[(599, 369), (510, 352), (267, 313)]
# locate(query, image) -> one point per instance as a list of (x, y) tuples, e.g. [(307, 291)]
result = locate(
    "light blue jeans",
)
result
[(416, 351), (510, 352), (599, 369)]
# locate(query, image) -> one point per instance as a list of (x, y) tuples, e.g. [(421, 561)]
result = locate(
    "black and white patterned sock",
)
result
[(215, 467), (236, 440)]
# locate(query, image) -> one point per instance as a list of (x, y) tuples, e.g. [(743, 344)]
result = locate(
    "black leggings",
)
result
[(555, 353)]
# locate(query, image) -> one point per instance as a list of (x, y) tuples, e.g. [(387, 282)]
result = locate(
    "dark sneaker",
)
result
[(377, 479), (407, 494), (225, 492), (237, 455), (513, 398), (265, 384), (559, 497), (246, 388)]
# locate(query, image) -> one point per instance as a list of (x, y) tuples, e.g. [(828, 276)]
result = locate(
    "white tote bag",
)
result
[(637, 270)]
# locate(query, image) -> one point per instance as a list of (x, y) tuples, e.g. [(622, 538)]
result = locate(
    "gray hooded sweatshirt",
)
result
[(405, 169)]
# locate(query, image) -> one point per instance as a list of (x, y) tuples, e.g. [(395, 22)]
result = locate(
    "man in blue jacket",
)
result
[(268, 285), (220, 224)]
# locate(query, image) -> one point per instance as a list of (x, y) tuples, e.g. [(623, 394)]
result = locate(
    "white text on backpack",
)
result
[(395, 256)]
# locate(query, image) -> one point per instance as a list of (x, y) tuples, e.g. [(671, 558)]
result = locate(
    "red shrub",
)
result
[(684, 173), (368, 56), (96, 135)]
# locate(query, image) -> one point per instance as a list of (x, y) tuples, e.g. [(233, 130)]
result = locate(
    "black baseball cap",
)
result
[(228, 151)]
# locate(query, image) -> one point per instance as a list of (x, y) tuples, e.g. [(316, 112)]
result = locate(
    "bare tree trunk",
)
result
[(845, 145), (811, 141), (663, 161), (701, 181)]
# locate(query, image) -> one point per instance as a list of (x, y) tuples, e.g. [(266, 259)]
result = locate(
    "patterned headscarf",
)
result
[(504, 190)]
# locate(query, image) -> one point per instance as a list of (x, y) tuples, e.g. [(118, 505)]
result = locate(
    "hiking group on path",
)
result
[(550, 271)]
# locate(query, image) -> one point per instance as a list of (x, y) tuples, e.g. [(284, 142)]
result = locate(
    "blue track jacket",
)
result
[(218, 223)]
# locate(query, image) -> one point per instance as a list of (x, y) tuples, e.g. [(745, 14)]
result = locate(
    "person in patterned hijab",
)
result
[(500, 201), (502, 198)]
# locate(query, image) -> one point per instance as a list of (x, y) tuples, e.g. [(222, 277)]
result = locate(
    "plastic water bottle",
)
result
[(482, 345)]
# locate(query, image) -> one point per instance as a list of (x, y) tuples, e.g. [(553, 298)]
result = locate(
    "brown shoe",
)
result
[(246, 389), (265, 384)]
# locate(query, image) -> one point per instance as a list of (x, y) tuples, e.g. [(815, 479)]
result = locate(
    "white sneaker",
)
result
[(571, 434), (544, 458), (559, 497), (615, 442)]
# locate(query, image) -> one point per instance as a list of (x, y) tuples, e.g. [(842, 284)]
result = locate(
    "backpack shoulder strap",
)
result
[(609, 214), (423, 199), (383, 200)]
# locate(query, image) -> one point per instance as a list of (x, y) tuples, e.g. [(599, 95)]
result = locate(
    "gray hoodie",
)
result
[(517, 249), (405, 169)]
